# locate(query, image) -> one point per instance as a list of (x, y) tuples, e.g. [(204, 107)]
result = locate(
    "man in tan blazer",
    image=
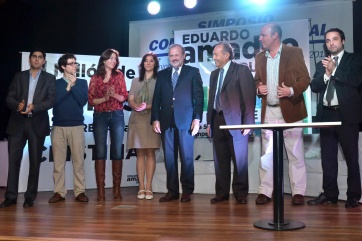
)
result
[(281, 77)]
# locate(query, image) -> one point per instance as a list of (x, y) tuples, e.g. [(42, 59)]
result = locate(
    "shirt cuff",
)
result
[(291, 92), (334, 71), (326, 78)]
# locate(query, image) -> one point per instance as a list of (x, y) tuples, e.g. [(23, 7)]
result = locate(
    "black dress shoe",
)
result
[(351, 203), (322, 199), (7, 203), (168, 198), (242, 200), (185, 198), (28, 203), (218, 199)]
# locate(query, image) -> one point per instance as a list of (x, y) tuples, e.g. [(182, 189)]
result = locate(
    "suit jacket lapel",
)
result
[(170, 76), (262, 66), (39, 85), (183, 73), (284, 57), (26, 82), (213, 85), (228, 75), (343, 60)]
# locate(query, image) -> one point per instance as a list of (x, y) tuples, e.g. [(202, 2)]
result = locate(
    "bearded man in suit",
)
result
[(177, 109), (337, 79)]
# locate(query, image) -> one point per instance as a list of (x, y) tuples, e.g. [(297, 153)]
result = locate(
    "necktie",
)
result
[(174, 78), (331, 86), (217, 104)]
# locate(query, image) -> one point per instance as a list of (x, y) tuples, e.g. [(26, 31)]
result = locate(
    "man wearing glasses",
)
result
[(68, 128), (31, 94)]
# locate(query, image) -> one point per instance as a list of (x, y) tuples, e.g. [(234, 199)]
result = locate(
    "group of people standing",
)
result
[(167, 107)]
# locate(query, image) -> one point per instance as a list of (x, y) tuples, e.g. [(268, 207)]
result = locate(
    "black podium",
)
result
[(278, 223)]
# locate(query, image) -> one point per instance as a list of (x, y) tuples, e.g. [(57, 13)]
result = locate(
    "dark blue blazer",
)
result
[(185, 102), (348, 79)]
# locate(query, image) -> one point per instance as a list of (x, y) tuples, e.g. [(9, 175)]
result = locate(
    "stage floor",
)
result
[(133, 219)]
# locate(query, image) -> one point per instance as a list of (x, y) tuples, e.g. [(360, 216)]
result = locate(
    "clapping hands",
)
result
[(72, 79), (109, 93)]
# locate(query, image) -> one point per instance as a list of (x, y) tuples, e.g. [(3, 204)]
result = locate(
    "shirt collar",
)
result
[(37, 74), (339, 55), (226, 66), (267, 53), (179, 69)]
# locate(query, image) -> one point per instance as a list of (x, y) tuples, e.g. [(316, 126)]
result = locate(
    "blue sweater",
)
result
[(68, 107)]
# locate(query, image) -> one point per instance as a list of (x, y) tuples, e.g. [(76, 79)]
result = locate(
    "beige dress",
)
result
[(140, 133)]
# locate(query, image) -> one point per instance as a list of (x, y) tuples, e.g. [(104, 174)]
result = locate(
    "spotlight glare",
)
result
[(153, 7), (190, 3), (259, 2)]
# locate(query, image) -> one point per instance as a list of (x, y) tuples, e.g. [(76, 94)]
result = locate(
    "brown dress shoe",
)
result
[(219, 199), (168, 198), (56, 198), (241, 200), (262, 199), (185, 198), (82, 198), (298, 199)]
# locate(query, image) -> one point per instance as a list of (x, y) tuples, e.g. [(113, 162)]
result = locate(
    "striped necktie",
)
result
[(174, 78), (332, 85), (217, 104)]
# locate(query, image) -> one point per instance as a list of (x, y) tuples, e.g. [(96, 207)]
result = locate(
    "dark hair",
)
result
[(275, 28), (341, 33), (63, 61), (178, 45), (101, 70), (141, 67), (227, 48), (36, 49)]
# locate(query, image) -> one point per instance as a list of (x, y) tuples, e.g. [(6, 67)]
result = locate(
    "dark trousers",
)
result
[(227, 148), (176, 141), (347, 136), (16, 144)]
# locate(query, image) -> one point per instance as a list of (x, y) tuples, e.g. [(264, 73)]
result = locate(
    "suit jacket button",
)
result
[(173, 98)]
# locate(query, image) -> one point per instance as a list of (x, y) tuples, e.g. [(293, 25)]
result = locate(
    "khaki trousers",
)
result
[(294, 146), (61, 137)]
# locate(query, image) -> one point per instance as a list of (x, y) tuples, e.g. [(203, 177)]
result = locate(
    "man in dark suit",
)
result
[(281, 77), (176, 114), (31, 95), (231, 102), (337, 79)]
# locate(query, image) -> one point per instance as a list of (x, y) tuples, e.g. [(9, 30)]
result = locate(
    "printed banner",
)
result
[(158, 34), (87, 68), (199, 44)]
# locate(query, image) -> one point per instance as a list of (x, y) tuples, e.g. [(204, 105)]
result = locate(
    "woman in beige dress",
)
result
[(140, 133)]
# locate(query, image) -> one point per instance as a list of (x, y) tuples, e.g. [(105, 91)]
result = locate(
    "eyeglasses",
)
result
[(73, 63)]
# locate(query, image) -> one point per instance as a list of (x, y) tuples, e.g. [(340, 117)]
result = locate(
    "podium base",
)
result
[(287, 225)]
